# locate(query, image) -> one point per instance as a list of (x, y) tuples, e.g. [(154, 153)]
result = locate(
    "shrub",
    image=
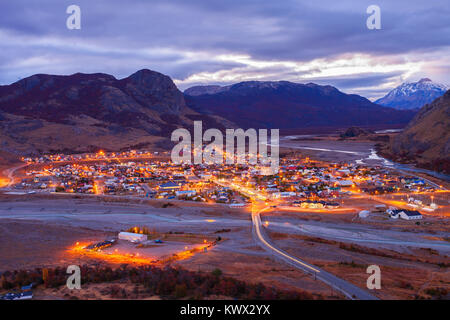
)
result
[(216, 272)]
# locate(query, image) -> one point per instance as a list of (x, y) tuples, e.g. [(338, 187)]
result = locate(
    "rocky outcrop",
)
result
[(355, 132), (85, 112)]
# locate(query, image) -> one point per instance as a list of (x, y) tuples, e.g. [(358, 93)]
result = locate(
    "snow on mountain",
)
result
[(413, 95)]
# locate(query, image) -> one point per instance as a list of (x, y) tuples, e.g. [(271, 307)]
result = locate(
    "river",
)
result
[(363, 153)]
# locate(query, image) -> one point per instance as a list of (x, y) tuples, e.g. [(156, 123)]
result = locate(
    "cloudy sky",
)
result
[(227, 41)]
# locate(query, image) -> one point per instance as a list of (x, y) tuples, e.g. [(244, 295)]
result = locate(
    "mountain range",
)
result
[(86, 112), (286, 105), (413, 95)]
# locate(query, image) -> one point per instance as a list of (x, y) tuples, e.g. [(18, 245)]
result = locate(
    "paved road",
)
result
[(349, 290)]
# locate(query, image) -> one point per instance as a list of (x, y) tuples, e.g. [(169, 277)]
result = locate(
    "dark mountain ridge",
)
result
[(138, 100), (285, 105), (84, 112)]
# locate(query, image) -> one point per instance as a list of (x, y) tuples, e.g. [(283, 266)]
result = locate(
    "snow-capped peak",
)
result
[(412, 95)]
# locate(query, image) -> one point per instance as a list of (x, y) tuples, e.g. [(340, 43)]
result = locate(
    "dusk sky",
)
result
[(222, 42)]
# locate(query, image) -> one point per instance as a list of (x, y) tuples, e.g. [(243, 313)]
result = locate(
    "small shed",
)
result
[(364, 213), (133, 237)]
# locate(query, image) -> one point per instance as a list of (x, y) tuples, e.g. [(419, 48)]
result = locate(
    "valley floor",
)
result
[(40, 231)]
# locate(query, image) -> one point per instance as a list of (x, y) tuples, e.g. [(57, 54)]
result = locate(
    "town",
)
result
[(300, 183), (148, 211)]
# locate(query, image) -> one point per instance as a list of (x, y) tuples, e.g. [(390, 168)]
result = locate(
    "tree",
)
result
[(216, 272)]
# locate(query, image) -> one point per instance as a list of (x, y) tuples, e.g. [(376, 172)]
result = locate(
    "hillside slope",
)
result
[(85, 112), (426, 139)]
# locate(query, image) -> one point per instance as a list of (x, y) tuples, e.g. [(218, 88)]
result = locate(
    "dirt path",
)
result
[(9, 174)]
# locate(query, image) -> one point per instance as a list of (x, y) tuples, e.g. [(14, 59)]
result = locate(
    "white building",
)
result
[(404, 214), (189, 193), (410, 215), (345, 183), (133, 237), (364, 213), (283, 194)]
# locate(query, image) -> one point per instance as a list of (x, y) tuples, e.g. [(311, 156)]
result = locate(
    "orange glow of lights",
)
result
[(113, 258), (119, 258), (4, 182)]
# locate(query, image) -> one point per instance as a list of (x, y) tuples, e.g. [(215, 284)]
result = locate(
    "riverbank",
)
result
[(363, 150), (439, 166)]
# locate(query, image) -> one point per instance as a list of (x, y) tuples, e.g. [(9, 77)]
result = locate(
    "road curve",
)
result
[(349, 290), (10, 173)]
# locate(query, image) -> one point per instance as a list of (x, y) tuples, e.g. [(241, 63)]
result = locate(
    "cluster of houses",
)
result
[(100, 155), (153, 179), (299, 181), (315, 204), (303, 179), (419, 204)]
